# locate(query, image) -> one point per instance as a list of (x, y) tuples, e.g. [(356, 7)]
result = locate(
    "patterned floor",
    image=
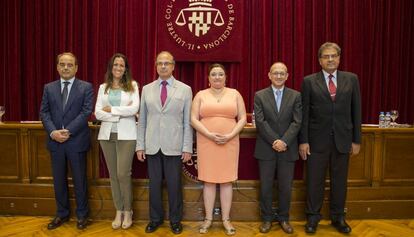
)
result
[(36, 226)]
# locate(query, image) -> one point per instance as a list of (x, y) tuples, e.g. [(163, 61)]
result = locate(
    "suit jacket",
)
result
[(167, 128), (74, 118), (123, 115), (272, 125), (322, 116)]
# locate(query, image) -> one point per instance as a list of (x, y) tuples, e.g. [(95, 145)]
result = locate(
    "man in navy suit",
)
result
[(331, 131), (65, 109)]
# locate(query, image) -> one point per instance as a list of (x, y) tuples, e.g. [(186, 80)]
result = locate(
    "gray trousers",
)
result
[(118, 156)]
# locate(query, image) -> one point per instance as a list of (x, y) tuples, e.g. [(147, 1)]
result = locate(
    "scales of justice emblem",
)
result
[(198, 17)]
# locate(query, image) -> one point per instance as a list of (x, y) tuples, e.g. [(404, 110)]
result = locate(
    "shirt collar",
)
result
[(275, 89), (169, 81), (325, 74), (70, 80)]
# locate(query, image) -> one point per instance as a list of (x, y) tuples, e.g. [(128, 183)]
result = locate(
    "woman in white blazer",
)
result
[(116, 106)]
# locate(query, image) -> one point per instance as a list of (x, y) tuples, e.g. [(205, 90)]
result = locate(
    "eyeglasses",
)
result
[(330, 56), (281, 74), (160, 64)]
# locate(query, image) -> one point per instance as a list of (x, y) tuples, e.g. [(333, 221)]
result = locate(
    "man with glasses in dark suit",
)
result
[(331, 131), (278, 111)]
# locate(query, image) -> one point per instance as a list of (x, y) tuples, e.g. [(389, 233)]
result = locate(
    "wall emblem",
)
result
[(197, 29), (190, 168), (198, 17)]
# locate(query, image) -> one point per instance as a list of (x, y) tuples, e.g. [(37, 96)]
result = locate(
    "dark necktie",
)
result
[(163, 92), (332, 87), (65, 94)]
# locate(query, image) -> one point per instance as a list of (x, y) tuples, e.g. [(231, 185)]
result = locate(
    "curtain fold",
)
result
[(376, 38)]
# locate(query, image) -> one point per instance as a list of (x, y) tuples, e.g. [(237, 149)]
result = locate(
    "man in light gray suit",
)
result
[(278, 112), (165, 139)]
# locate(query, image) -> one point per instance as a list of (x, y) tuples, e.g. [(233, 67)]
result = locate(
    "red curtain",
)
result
[(376, 38)]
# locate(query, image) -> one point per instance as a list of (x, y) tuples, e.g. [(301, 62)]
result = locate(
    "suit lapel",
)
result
[(170, 93), (271, 99), (341, 84), (320, 80), (285, 98), (155, 94), (57, 92)]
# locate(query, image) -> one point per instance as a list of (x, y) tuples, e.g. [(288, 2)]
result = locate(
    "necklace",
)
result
[(217, 95)]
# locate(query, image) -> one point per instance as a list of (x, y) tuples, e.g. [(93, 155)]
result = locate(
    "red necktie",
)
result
[(332, 87), (163, 92)]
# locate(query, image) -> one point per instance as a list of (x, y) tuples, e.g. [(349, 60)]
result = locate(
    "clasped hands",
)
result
[(219, 139), (279, 145), (61, 135)]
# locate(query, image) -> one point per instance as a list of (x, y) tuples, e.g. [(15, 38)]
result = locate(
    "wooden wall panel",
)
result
[(381, 181), (360, 165), (398, 156), (9, 155), (39, 157)]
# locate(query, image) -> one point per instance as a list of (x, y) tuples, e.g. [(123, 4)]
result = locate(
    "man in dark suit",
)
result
[(65, 109), (331, 131), (165, 140), (278, 111)]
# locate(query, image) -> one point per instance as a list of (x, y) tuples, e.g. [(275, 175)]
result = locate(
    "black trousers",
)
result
[(285, 170), (317, 165), (169, 166)]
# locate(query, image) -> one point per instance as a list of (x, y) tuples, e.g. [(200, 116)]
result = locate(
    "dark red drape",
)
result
[(376, 38)]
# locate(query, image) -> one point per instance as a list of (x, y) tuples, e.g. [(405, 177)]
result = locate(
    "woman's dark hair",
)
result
[(126, 80)]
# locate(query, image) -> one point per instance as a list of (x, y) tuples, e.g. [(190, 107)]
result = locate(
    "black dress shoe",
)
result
[(265, 227), (286, 227), (56, 222), (82, 223), (176, 227), (152, 226), (310, 227), (341, 226)]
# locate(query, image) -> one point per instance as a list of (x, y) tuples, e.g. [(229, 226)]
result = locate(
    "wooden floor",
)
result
[(36, 226)]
